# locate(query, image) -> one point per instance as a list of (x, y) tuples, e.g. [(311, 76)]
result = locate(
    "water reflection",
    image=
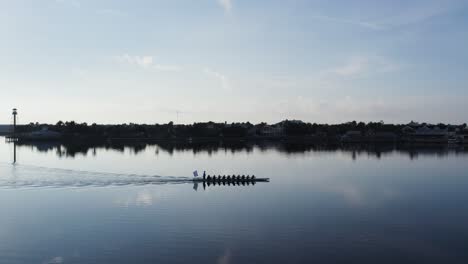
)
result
[(27, 176), (70, 150), (321, 207)]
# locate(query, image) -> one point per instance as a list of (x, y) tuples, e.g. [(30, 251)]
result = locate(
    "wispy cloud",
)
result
[(355, 66), (368, 25), (362, 65), (146, 62), (226, 5), (142, 61), (411, 13), (339, 109), (421, 12), (221, 77), (367, 108)]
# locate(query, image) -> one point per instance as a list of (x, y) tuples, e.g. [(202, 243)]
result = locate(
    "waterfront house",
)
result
[(463, 134), (271, 131), (43, 134), (407, 130), (425, 134), (352, 136)]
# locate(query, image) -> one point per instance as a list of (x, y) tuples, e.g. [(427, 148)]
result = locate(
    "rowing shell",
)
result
[(231, 180)]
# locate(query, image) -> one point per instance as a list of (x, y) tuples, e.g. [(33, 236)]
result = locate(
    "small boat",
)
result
[(211, 180), (234, 179)]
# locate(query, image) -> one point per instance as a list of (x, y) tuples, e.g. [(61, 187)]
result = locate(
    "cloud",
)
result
[(368, 25), (146, 62), (359, 65), (391, 109), (412, 12), (226, 5), (73, 3), (415, 13), (221, 77), (353, 67)]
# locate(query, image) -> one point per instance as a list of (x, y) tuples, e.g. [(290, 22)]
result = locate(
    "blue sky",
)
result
[(234, 60)]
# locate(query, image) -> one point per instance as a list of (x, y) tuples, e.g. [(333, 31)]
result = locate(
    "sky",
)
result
[(155, 61)]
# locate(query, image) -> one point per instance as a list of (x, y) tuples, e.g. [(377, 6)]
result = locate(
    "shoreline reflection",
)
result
[(71, 150)]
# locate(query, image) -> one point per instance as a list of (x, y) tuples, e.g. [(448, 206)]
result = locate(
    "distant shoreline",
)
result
[(288, 130)]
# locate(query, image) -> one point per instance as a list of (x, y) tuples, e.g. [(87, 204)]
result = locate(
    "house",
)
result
[(463, 134), (352, 136), (43, 134), (425, 134), (271, 131), (408, 130)]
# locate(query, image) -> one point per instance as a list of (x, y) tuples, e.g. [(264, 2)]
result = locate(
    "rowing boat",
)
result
[(211, 180)]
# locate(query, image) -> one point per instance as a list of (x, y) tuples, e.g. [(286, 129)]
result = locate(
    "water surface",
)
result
[(119, 204)]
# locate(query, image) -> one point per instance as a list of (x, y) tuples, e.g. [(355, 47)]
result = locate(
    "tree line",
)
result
[(287, 128)]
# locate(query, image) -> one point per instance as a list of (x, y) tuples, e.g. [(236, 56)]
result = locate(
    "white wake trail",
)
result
[(23, 176)]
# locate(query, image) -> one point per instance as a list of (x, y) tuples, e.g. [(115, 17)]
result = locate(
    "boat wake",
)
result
[(28, 176)]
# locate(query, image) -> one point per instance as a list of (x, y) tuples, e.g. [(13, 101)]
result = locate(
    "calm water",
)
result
[(121, 205)]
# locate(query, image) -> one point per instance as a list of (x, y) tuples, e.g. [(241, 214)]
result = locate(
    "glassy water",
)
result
[(129, 204)]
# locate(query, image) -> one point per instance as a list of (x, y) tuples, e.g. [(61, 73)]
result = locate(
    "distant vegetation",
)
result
[(288, 129)]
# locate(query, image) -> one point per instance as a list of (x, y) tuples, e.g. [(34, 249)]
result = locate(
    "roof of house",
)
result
[(424, 130)]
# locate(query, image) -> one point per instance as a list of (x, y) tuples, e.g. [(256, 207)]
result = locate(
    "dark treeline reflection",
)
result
[(70, 150)]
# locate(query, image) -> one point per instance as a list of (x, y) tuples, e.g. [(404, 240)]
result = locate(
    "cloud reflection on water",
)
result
[(225, 258), (55, 260)]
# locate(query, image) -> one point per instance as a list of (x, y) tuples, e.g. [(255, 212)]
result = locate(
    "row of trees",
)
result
[(211, 129)]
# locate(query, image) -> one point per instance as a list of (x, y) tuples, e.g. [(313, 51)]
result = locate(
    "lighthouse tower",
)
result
[(15, 113)]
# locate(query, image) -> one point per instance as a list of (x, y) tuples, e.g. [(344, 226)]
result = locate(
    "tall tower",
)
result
[(15, 112)]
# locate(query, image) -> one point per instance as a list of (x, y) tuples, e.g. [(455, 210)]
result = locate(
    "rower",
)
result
[(208, 178), (243, 177), (253, 177), (238, 177), (224, 177), (248, 177), (229, 177)]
